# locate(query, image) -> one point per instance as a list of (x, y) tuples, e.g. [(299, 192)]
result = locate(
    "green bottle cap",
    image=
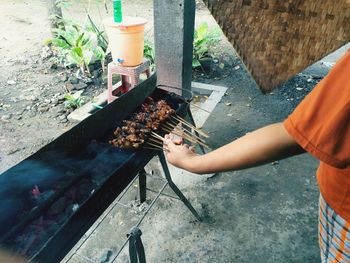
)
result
[(117, 11)]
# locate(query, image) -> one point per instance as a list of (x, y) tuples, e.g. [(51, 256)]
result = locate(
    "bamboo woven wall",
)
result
[(278, 39)]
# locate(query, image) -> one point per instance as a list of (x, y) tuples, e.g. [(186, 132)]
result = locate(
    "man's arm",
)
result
[(262, 146)]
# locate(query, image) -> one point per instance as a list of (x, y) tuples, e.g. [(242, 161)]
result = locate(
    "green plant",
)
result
[(204, 40), (79, 46), (73, 101), (148, 53)]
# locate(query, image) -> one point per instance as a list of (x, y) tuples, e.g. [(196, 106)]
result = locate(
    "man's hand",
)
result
[(178, 153)]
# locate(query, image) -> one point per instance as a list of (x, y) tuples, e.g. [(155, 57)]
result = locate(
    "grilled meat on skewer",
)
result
[(135, 131)]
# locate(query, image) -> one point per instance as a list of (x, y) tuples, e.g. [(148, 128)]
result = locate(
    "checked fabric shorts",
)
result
[(334, 235)]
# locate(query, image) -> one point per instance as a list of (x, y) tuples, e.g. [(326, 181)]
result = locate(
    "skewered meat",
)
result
[(135, 130)]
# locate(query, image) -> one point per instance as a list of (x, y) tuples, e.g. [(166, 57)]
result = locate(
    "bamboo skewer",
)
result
[(155, 145), (156, 140), (152, 148), (158, 136), (185, 131), (186, 137), (196, 106), (183, 121), (179, 134)]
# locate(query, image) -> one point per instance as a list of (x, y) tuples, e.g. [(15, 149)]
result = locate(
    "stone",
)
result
[(61, 117), (13, 150), (6, 118), (11, 82), (69, 87), (87, 80), (54, 101), (79, 86), (53, 66), (96, 73), (73, 80), (31, 98), (43, 108), (46, 52), (63, 78)]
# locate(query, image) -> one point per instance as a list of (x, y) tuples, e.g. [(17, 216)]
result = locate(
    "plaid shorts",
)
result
[(334, 235)]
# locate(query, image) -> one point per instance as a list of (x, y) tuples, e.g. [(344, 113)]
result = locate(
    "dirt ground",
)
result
[(265, 214)]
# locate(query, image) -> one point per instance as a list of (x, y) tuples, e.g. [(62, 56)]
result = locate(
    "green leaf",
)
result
[(99, 53), (60, 43), (195, 63), (88, 55), (76, 56), (68, 96), (78, 51), (79, 40), (202, 30)]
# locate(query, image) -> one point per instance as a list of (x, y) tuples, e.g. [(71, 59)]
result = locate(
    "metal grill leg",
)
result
[(190, 116), (142, 185), (136, 249), (174, 187)]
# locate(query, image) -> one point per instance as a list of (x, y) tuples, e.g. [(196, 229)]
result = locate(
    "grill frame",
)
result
[(69, 233)]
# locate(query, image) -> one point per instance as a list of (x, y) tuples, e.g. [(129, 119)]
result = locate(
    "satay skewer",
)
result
[(182, 120), (158, 136), (184, 130), (154, 145), (156, 140), (152, 148), (179, 134), (178, 118), (186, 137), (196, 106)]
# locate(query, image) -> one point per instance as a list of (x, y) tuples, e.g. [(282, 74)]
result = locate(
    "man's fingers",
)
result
[(192, 149)]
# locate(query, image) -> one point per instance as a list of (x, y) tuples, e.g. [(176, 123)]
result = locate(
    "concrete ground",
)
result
[(262, 214)]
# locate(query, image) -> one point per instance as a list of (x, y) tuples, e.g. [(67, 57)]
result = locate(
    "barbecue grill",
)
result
[(49, 200)]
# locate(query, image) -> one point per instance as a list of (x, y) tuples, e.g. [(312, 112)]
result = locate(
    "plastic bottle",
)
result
[(117, 11)]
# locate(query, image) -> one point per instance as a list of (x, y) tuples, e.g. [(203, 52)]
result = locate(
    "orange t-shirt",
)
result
[(321, 125)]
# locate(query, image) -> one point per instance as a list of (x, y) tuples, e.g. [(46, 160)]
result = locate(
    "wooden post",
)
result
[(54, 13), (173, 33)]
